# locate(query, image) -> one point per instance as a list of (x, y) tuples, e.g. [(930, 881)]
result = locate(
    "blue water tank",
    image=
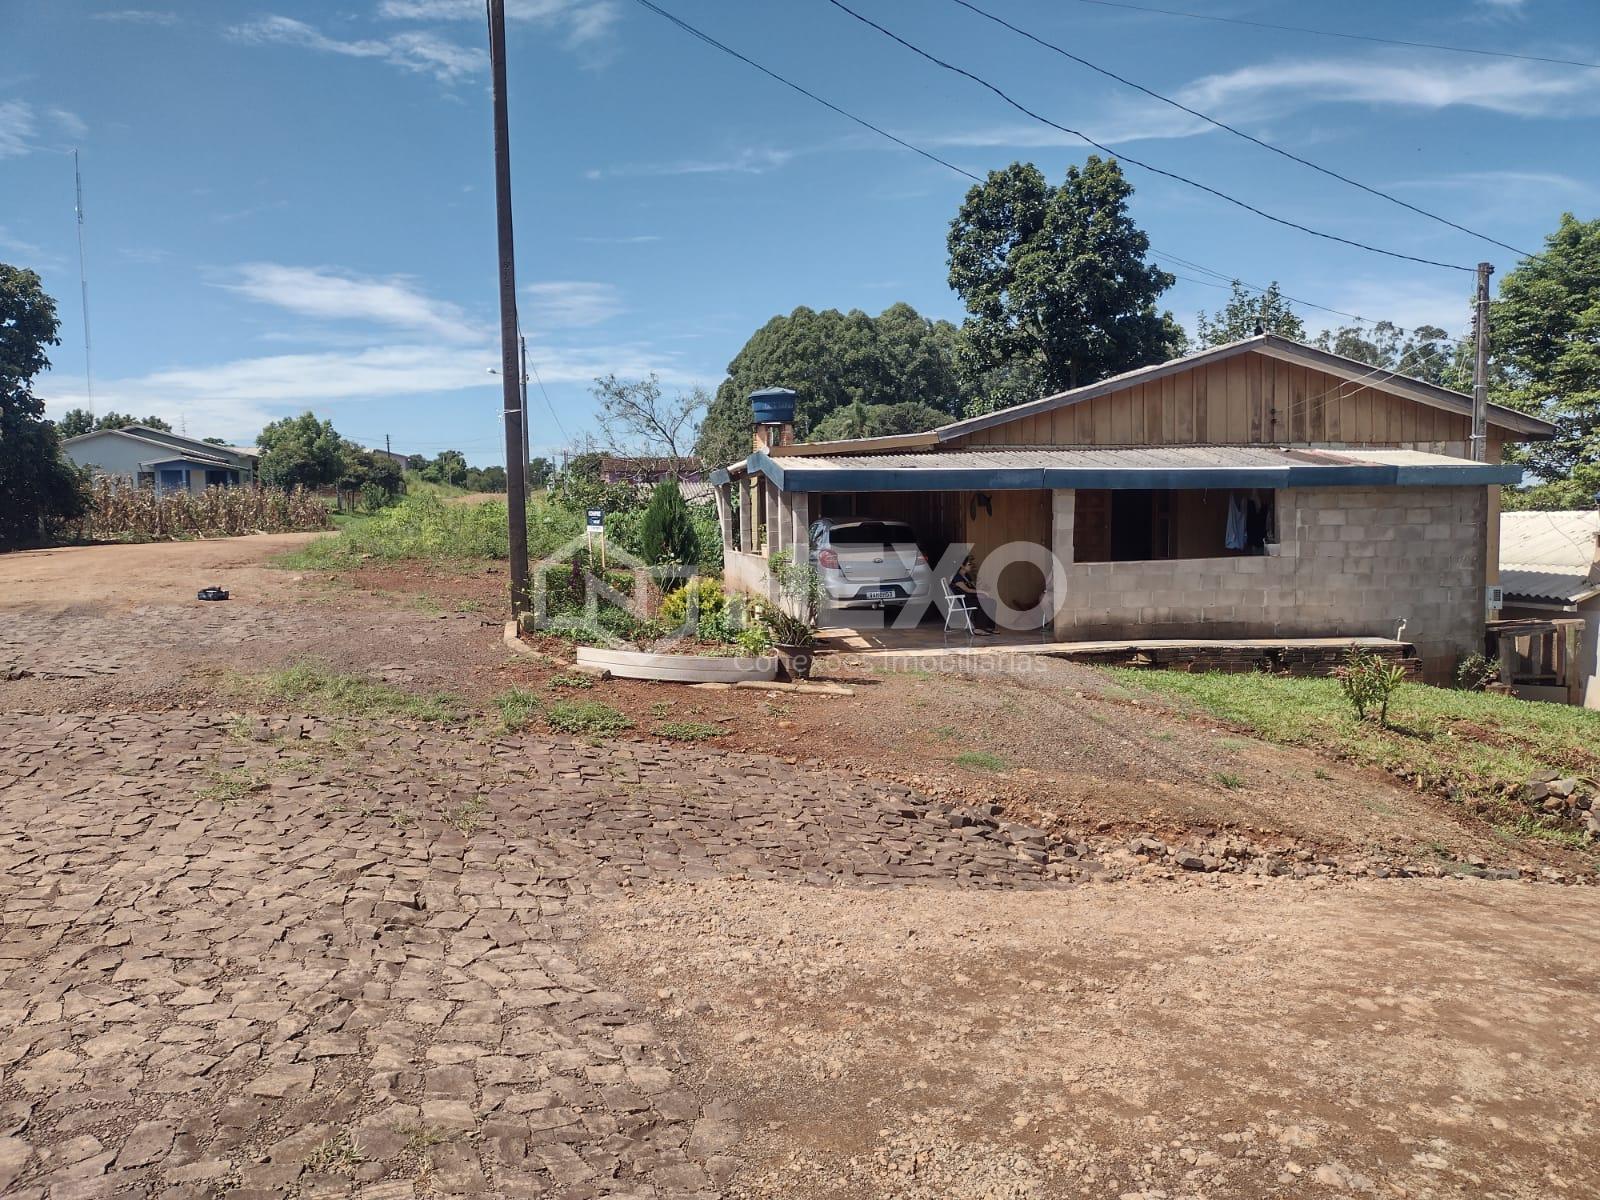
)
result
[(772, 406)]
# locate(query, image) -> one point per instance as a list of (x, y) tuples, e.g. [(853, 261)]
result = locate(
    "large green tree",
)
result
[(1247, 312), (38, 488), (1426, 352), (834, 360), (1545, 334), (1056, 282), (76, 421), (301, 452)]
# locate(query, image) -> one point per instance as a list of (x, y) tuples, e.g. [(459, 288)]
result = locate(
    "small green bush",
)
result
[(1476, 672), (1369, 682), (707, 594), (585, 716)]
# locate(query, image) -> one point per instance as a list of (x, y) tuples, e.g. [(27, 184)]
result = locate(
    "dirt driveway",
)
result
[(283, 953)]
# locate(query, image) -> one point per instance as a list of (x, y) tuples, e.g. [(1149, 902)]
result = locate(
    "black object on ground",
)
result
[(212, 593)]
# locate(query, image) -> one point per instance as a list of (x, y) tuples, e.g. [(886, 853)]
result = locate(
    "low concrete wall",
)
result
[(1350, 562)]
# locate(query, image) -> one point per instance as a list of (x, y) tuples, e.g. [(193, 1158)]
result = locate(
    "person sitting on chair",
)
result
[(965, 584)]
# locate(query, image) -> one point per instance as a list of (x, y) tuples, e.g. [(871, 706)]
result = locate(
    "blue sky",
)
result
[(291, 205)]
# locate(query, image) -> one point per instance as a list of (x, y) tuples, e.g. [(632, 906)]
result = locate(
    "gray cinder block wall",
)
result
[(1350, 562)]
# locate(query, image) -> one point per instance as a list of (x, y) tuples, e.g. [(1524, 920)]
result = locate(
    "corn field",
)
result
[(119, 510)]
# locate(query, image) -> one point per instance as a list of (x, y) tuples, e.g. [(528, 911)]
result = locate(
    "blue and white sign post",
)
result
[(595, 523)]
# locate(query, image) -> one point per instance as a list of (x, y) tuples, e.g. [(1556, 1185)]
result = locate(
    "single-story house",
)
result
[(1550, 569), (1263, 488), (161, 459)]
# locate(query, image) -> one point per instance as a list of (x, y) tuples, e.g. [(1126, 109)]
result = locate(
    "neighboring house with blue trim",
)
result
[(1259, 489), (163, 460)]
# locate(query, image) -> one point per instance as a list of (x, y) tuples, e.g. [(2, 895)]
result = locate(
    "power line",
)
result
[(1028, 112), (1332, 33), (713, 42), (789, 83), (534, 367), (1223, 125)]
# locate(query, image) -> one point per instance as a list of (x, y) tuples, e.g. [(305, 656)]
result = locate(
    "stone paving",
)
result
[(295, 957)]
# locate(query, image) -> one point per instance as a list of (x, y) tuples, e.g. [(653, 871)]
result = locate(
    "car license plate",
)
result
[(881, 593)]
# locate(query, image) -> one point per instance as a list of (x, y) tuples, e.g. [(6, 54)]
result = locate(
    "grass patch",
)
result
[(517, 707), (980, 760), (687, 731), (1469, 745), (423, 526), (467, 817), (335, 1155), (585, 716), (1227, 779), (316, 687), (571, 682), (227, 788)]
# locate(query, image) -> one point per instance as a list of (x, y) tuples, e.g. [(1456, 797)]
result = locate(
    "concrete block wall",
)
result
[(1350, 562)]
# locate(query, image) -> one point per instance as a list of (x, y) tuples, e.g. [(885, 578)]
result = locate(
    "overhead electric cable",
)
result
[(1221, 195), (810, 95), (1333, 33), (965, 174), (1223, 125)]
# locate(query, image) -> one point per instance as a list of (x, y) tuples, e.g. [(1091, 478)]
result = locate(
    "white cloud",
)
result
[(341, 296), (137, 16), (423, 53), (749, 161), (571, 304), (21, 127), (1407, 303), (1517, 88), (583, 21), (1120, 123), (234, 399), (17, 128)]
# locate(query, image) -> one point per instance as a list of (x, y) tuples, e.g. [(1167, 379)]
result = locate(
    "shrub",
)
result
[(1367, 681), (1476, 672), (667, 535), (709, 599)]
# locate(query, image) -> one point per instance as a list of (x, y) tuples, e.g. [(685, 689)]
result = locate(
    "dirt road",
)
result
[(286, 954)]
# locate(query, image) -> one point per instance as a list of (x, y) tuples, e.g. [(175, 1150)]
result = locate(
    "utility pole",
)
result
[(511, 392), (526, 420), (83, 286), (1480, 367)]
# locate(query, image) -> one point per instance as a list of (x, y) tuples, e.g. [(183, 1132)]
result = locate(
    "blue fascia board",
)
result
[(798, 478), (719, 477)]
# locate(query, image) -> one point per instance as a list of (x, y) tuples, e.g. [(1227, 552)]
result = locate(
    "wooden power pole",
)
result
[(1480, 367), (510, 375)]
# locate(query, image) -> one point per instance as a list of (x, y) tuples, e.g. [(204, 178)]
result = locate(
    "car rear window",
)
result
[(871, 533)]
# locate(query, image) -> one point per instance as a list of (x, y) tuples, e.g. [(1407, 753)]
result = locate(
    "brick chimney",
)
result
[(772, 410)]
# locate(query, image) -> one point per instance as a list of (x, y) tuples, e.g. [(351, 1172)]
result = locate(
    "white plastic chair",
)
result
[(958, 608)]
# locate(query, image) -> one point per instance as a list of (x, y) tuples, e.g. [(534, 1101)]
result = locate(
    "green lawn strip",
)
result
[(1464, 744), (326, 691)]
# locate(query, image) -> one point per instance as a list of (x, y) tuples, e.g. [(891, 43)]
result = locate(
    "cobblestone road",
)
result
[(292, 957)]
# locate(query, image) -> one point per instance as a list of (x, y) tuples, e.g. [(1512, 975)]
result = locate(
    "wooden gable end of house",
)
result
[(1251, 395)]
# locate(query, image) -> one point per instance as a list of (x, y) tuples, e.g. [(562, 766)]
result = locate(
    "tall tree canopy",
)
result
[(834, 360), (1246, 311), (38, 489), (1426, 352), (77, 421), (301, 452), (1545, 331), (1056, 282)]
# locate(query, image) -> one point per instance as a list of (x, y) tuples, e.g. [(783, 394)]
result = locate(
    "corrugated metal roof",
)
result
[(1531, 583), (1548, 555), (1553, 539)]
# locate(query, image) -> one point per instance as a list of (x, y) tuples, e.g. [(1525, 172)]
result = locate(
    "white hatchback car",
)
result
[(868, 563)]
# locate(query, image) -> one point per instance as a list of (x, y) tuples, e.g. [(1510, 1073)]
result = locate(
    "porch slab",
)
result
[(1299, 656)]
